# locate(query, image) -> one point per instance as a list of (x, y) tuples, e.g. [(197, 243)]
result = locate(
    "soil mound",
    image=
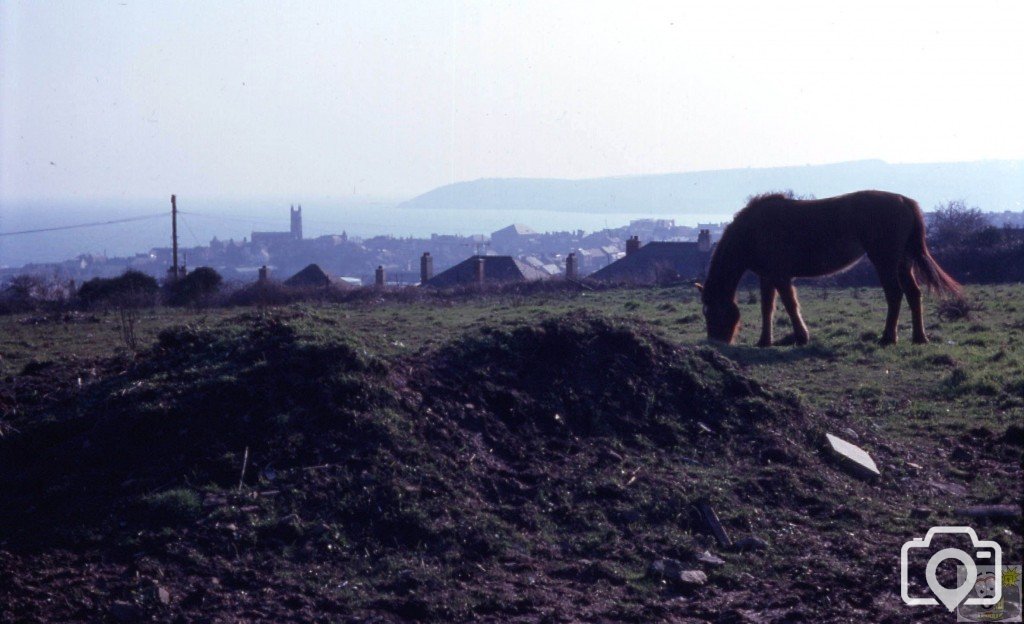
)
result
[(594, 377), (185, 412), (554, 457)]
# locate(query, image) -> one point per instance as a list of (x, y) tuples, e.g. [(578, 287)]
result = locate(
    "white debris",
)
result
[(852, 457)]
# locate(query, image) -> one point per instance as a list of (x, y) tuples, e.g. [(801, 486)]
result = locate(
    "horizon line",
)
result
[(387, 198)]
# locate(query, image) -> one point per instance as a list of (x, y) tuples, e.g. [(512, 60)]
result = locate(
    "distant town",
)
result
[(396, 261), (355, 260)]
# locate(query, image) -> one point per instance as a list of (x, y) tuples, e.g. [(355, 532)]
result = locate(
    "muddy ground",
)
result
[(279, 469)]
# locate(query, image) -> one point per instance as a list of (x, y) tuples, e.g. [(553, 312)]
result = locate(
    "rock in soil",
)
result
[(851, 457), (692, 577), (710, 559), (672, 571)]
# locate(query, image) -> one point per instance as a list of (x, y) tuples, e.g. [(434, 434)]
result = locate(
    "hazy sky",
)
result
[(132, 99)]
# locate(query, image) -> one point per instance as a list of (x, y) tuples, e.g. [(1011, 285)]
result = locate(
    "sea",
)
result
[(119, 228)]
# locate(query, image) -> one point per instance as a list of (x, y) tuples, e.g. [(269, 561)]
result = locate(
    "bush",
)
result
[(954, 223), (29, 292), (133, 289), (196, 288), (275, 293), (953, 309), (988, 255)]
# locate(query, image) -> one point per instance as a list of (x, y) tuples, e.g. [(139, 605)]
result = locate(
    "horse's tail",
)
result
[(927, 268)]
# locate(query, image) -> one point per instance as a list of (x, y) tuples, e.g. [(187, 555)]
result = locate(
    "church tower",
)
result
[(296, 214)]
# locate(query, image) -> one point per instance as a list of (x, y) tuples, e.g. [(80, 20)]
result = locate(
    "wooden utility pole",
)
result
[(174, 237)]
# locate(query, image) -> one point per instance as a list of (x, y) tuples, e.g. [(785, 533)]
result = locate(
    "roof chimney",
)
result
[(296, 222), (426, 267), (632, 244), (704, 240), (571, 266)]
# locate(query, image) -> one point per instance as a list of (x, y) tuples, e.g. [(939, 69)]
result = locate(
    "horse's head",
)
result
[(722, 317)]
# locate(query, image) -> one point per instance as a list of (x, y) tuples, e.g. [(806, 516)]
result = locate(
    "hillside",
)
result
[(992, 185), (505, 457)]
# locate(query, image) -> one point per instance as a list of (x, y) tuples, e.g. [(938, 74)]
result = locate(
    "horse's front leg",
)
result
[(800, 334), (767, 312)]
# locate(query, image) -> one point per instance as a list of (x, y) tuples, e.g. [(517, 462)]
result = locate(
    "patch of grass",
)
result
[(953, 309), (170, 507)]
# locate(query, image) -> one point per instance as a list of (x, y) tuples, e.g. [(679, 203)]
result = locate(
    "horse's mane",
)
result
[(764, 198), (771, 196)]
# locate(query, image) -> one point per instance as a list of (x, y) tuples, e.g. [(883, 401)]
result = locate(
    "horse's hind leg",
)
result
[(788, 294), (913, 293), (767, 312), (893, 297), (887, 265)]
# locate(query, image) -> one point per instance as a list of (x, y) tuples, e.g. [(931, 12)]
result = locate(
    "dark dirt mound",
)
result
[(593, 377), (512, 473), (186, 411)]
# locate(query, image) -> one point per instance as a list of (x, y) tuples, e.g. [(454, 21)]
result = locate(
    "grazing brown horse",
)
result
[(779, 238)]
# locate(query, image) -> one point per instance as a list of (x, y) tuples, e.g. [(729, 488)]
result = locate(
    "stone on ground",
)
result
[(852, 458)]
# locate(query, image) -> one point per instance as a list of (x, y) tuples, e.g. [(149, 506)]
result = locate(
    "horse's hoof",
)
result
[(920, 339), (791, 340), (802, 341), (764, 343), (885, 341)]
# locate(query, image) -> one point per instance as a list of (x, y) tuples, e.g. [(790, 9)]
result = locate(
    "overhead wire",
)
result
[(189, 228), (163, 215), (85, 225)]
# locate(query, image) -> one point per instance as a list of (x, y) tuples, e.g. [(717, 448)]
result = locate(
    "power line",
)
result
[(189, 228), (194, 214), (83, 225)]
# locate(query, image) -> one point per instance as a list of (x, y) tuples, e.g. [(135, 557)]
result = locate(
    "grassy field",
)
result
[(971, 370), (564, 516)]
